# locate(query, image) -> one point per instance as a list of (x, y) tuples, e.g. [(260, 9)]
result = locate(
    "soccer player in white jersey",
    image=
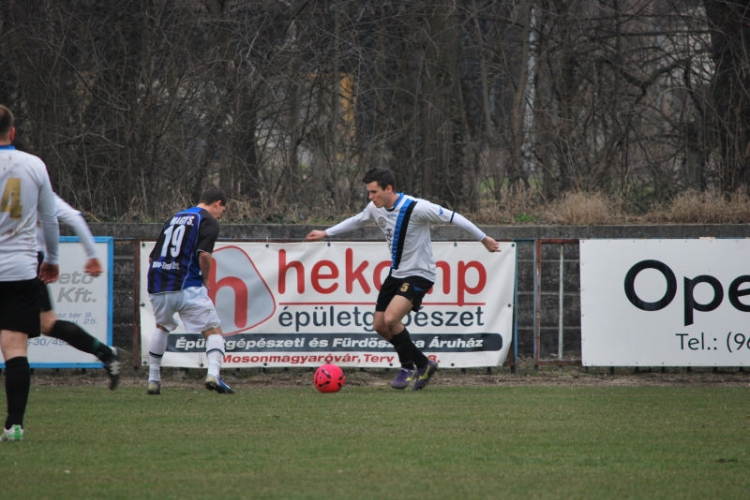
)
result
[(25, 197), (405, 222), (66, 330)]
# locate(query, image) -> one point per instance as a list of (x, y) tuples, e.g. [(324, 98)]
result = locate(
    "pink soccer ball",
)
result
[(329, 378)]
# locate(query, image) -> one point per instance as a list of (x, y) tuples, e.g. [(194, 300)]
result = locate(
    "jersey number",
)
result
[(11, 201), (173, 241)]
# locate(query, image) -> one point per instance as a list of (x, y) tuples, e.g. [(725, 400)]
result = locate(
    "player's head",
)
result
[(382, 176), (212, 195), (7, 130), (380, 187), (214, 199)]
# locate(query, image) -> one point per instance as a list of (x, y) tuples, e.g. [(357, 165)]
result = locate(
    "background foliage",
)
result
[(136, 105)]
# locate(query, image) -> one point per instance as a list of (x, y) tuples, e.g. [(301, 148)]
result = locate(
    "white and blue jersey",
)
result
[(174, 260), (406, 227)]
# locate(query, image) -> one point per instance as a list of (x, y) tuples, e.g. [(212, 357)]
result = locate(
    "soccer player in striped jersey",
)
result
[(405, 222), (25, 197), (178, 273)]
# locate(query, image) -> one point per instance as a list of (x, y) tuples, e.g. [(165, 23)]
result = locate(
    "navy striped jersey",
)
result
[(174, 263)]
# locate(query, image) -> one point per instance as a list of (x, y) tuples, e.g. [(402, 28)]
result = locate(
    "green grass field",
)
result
[(373, 443)]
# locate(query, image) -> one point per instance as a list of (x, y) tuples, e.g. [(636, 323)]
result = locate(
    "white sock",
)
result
[(215, 353), (156, 349)]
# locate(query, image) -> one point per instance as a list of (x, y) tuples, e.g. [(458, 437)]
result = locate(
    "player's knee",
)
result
[(212, 331), (47, 321), (380, 328), (391, 325), (383, 332)]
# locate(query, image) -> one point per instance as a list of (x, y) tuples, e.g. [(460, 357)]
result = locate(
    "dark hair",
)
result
[(213, 194), (382, 176), (6, 120)]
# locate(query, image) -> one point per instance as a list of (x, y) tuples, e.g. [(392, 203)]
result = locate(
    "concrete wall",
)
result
[(126, 235)]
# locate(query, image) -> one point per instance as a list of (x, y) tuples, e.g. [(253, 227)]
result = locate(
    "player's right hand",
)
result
[(315, 235), (49, 272)]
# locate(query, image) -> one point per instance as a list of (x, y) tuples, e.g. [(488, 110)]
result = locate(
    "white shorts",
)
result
[(195, 307)]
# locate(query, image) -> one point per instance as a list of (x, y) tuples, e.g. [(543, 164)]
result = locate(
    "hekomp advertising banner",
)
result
[(305, 304), (665, 302)]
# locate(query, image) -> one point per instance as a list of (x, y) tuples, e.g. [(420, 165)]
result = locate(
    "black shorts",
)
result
[(413, 288), (46, 301), (19, 306)]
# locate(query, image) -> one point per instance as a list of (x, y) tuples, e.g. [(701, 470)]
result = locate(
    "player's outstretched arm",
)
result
[(344, 226), (490, 244), (488, 241), (315, 235)]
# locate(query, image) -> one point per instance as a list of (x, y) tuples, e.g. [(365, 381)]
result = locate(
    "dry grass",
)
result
[(709, 207), (596, 208), (583, 209)]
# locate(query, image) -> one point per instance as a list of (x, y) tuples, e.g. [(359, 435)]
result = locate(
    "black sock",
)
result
[(408, 354), (17, 385), (80, 339), (401, 343), (104, 352)]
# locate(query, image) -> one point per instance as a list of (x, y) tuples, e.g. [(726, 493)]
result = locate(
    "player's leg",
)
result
[(163, 306), (199, 314), (399, 335), (408, 296), (84, 341), (156, 348), (389, 325), (78, 337), (19, 320), (215, 357), (68, 331), (17, 382)]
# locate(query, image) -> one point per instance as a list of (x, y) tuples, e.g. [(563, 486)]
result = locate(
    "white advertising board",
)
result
[(305, 304), (665, 302), (79, 298)]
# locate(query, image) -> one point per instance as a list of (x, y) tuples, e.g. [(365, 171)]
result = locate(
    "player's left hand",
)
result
[(490, 244), (93, 267)]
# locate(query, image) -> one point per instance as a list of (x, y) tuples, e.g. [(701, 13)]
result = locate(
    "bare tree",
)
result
[(138, 105), (729, 22)]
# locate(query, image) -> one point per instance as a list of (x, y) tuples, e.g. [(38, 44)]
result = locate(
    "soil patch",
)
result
[(526, 374)]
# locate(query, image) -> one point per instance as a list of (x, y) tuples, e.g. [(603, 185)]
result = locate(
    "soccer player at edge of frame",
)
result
[(405, 222), (68, 331), (27, 198), (178, 274)]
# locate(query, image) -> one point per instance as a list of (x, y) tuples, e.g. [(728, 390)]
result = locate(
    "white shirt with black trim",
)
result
[(25, 197), (415, 256)]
